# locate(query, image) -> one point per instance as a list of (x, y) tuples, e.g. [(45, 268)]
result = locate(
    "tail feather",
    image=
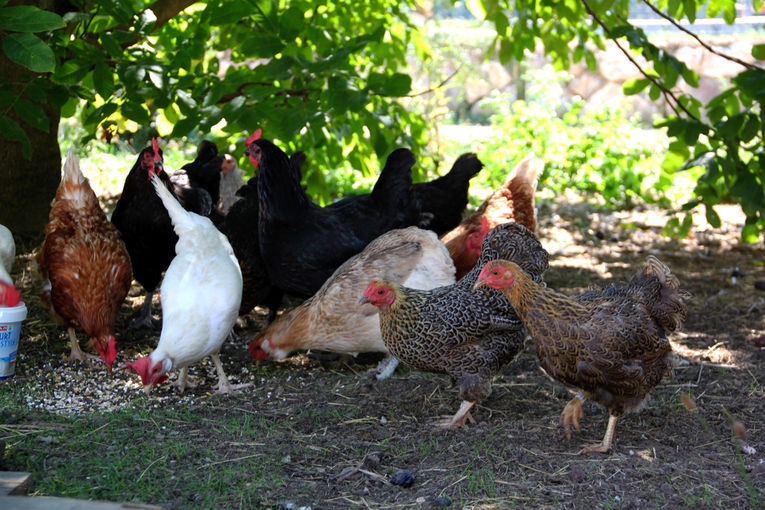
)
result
[(670, 310), (526, 173), (181, 218), (71, 178)]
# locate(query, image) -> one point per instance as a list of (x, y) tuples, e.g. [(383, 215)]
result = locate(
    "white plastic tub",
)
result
[(10, 328)]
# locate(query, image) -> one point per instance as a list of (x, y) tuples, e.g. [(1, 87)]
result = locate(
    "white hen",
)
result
[(201, 293), (333, 320), (7, 254)]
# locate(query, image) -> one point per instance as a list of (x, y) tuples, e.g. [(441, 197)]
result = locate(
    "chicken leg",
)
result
[(604, 445), (458, 420), (184, 381), (145, 319), (223, 386), (571, 414), (77, 354)]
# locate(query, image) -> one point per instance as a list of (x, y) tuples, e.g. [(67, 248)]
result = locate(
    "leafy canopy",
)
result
[(319, 76), (323, 77)]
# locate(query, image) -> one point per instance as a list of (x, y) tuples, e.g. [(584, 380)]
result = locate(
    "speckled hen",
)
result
[(452, 330)]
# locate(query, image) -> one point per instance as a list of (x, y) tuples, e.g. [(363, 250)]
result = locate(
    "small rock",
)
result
[(371, 461), (404, 478), (577, 475), (442, 501), (286, 459)]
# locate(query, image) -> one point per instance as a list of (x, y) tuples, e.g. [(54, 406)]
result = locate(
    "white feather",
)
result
[(7, 254), (201, 291)]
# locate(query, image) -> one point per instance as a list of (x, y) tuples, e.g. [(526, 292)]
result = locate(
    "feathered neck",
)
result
[(279, 188)]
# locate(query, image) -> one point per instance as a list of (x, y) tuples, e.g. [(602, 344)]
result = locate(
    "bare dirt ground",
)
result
[(322, 434)]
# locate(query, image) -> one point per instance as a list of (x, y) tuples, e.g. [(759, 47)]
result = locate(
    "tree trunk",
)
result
[(27, 186)]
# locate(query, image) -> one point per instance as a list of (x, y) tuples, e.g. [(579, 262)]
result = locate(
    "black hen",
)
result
[(145, 225), (444, 199), (204, 173), (241, 227), (302, 243)]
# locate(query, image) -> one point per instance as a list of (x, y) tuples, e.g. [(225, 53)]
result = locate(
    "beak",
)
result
[(479, 283), (364, 300), (147, 389)]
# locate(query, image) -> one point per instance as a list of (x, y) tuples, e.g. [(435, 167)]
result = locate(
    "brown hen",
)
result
[(86, 264), (452, 330), (513, 201), (610, 343)]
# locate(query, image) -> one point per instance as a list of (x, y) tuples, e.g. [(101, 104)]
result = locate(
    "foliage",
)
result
[(725, 135), (597, 151), (321, 77)]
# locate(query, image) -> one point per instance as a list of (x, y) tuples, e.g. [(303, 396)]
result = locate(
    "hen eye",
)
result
[(380, 292)]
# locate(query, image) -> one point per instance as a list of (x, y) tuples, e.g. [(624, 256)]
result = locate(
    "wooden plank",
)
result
[(49, 503), (15, 483)]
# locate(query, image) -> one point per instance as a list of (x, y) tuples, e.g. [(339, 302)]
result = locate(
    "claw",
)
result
[(571, 414)]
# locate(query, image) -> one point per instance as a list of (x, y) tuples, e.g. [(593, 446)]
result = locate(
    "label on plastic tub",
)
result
[(9, 338)]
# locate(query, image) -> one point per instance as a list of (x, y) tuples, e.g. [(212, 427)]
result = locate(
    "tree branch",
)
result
[(672, 100), (444, 82), (702, 43), (165, 10)]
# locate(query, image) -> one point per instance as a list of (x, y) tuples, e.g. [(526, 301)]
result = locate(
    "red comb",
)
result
[(255, 136), (142, 367), (155, 145), (9, 296)]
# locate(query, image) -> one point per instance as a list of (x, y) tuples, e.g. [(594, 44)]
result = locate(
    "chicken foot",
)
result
[(458, 420), (184, 381), (224, 386), (145, 319), (604, 445), (77, 354), (571, 414), (385, 368)]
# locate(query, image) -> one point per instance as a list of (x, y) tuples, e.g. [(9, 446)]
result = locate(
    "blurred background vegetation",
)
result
[(611, 94)]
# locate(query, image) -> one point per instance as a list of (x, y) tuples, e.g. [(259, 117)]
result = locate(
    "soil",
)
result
[(338, 438)]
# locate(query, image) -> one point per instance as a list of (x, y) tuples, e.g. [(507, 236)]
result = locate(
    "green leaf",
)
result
[(712, 217), (689, 6), (103, 80), (750, 234), (136, 111), (729, 11), (714, 8), (29, 51), (10, 130), (261, 46), (395, 85), (292, 21), (32, 114), (758, 51), (29, 19), (635, 86), (111, 45), (98, 115), (654, 92), (70, 107), (184, 126), (71, 72), (477, 8)]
